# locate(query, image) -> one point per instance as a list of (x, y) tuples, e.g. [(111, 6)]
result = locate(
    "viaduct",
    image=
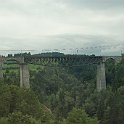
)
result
[(24, 71)]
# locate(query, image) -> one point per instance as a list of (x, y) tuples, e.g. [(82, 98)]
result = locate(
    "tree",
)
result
[(19, 118), (79, 116)]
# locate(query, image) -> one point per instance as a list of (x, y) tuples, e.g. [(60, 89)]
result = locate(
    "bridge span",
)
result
[(24, 71)]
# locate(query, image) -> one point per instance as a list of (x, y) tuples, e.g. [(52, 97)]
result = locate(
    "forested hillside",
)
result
[(62, 93)]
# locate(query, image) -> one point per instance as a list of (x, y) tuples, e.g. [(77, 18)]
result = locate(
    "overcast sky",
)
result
[(62, 24)]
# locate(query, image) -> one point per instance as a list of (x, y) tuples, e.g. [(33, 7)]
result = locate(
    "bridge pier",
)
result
[(101, 77), (24, 76), (1, 71), (24, 72)]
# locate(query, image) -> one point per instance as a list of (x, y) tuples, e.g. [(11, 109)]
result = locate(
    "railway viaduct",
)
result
[(99, 60)]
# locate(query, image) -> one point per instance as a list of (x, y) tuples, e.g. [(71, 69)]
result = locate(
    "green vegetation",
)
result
[(62, 94)]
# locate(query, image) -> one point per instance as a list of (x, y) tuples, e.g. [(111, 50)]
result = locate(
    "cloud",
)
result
[(49, 24), (95, 4), (69, 44)]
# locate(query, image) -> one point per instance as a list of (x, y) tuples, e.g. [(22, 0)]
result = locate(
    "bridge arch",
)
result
[(116, 58)]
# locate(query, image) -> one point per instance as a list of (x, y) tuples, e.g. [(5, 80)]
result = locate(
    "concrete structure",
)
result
[(1, 73), (101, 77), (24, 76), (24, 72), (1, 63), (99, 60)]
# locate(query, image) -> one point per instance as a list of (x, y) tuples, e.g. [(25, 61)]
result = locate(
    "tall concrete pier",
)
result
[(1, 63), (24, 72), (24, 76), (101, 77), (1, 71)]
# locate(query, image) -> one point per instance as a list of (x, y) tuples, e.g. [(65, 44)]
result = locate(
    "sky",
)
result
[(70, 26)]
